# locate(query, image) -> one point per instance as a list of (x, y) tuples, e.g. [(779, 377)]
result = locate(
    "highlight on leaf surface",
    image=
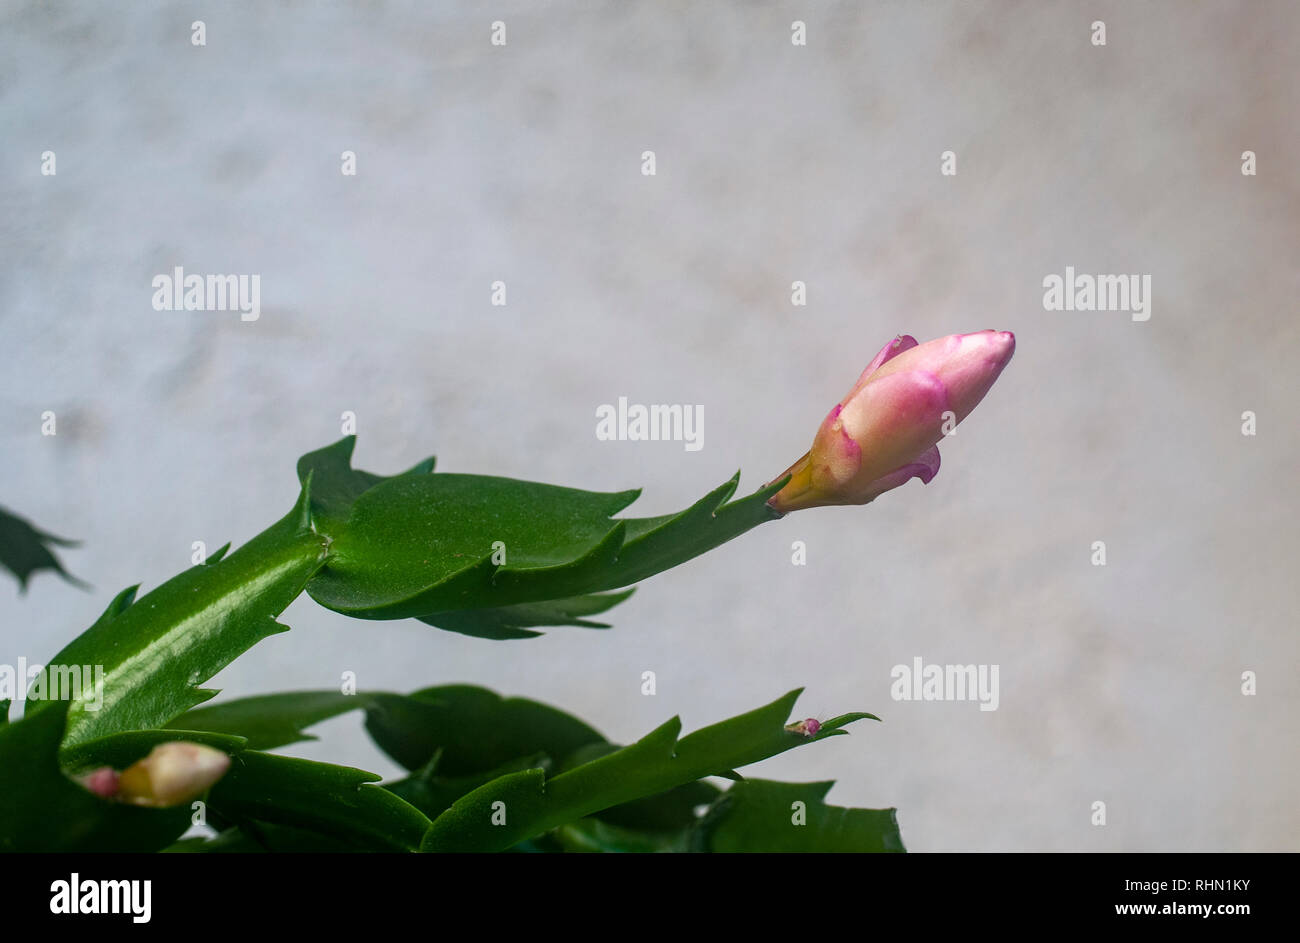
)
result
[(152, 654)]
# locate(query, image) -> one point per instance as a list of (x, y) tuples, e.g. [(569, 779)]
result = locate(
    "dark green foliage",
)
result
[(156, 651), (24, 550), (41, 809), (493, 556), (483, 556)]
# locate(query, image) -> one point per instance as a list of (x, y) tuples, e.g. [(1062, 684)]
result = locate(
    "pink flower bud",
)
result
[(172, 774), (102, 782), (807, 727), (884, 432)]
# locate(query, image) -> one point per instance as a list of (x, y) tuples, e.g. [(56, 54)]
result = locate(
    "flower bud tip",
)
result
[(172, 774), (886, 430)]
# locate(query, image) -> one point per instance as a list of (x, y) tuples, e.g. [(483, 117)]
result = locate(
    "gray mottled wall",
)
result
[(775, 163)]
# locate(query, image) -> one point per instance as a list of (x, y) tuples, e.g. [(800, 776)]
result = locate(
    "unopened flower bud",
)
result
[(885, 431), (102, 782), (172, 774)]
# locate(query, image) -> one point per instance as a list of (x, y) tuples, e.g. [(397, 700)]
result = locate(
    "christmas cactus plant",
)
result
[(117, 749)]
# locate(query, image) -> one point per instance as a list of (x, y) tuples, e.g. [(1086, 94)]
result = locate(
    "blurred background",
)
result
[(775, 163)]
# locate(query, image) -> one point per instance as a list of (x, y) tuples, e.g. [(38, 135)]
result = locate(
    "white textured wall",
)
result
[(775, 163)]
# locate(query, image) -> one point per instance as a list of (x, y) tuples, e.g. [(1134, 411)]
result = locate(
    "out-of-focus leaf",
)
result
[(24, 549), (518, 806), (758, 815), (468, 730), (597, 835), (646, 797), (272, 720), (260, 838), (42, 810), (338, 802), (472, 729), (667, 812), (335, 804), (457, 734)]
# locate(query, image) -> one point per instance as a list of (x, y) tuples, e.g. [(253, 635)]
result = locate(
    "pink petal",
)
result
[(840, 456), (891, 350), (925, 467)]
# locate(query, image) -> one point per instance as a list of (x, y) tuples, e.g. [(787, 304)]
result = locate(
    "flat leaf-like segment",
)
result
[(42, 810), (509, 622), (466, 729), (337, 801), (460, 740), (470, 729), (414, 546), (758, 815), (156, 651), (271, 720), (422, 544), (520, 805), (596, 835), (335, 484), (433, 793)]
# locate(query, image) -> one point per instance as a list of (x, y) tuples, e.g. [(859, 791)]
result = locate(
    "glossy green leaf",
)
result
[(25, 549), (156, 651), (470, 729), (336, 485), (467, 729), (335, 801), (423, 544), (532, 803), (758, 815)]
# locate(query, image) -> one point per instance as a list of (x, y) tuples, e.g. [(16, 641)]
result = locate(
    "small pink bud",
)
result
[(807, 727), (102, 782), (885, 431), (172, 774)]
